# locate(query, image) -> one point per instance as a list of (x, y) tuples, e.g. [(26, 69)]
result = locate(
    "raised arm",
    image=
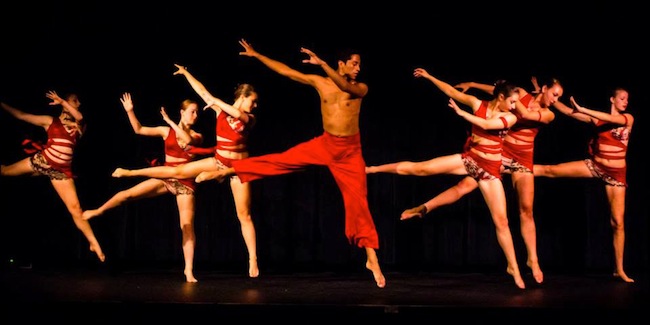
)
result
[(449, 90), (72, 110), (358, 89), (183, 136), (214, 103), (127, 103), (274, 65), (198, 86), (536, 87), (38, 120)]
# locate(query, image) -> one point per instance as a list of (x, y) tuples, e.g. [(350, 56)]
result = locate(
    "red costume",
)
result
[(611, 135), (525, 131), (343, 157), (184, 155), (232, 133), (55, 158), (476, 166)]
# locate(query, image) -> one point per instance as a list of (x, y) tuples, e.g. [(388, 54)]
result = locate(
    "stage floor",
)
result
[(162, 295)]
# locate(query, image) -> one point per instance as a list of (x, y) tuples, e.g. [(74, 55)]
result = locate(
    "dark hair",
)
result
[(549, 82), (504, 88), (616, 90), (68, 95), (346, 54)]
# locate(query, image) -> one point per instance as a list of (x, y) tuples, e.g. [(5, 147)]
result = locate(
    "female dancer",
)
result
[(233, 125), (608, 161), (480, 162), (54, 158), (180, 147), (517, 159)]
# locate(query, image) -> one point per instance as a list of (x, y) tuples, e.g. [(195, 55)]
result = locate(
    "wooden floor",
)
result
[(132, 295)]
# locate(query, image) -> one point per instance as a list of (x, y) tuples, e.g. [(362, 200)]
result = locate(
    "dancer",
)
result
[(338, 148), (232, 129), (480, 162), (607, 161), (181, 146), (54, 158), (517, 159)]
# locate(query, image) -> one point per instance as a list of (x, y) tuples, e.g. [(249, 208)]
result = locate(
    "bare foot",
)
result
[(372, 264), (418, 211), (120, 172), (623, 277), (376, 272), (253, 270), (98, 250), (89, 214), (537, 271), (519, 281), (189, 276), (217, 175)]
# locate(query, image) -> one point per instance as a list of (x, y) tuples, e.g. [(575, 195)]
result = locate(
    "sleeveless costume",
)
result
[(612, 135), (232, 135), (173, 149), (478, 167), (519, 157), (54, 158)]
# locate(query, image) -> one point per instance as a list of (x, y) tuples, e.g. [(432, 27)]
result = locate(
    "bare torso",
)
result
[(339, 109)]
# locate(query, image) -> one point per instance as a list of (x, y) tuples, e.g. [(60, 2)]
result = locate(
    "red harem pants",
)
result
[(343, 157)]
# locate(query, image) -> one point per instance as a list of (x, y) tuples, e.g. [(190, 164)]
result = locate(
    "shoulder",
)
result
[(312, 77), (629, 118)]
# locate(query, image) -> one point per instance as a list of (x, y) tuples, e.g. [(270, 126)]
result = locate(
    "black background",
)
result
[(101, 50)]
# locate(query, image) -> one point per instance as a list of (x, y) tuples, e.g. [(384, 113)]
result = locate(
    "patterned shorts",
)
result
[(475, 171), (599, 173), (511, 166), (39, 164), (177, 188), (221, 165)]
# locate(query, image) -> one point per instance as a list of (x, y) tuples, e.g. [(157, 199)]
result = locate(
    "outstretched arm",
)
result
[(465, 86), (571, 112), (545, 116), (449, 90), (485, 124), (616, 119), (38, 120), (274, 65)]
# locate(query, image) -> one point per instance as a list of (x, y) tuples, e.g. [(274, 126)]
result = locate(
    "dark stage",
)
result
[(132, 295), (445, 268)]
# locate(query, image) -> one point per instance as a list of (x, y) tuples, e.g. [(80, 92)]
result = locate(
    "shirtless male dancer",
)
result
[(338, 148)]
